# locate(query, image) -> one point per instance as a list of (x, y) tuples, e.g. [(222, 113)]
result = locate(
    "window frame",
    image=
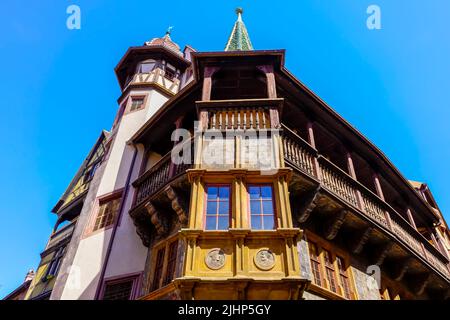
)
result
[(274, 207), (136, 278), (154, 283), (142, 97), (230, 209), (90, 228)]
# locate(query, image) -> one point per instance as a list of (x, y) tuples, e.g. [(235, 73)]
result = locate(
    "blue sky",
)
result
[(59, 90)]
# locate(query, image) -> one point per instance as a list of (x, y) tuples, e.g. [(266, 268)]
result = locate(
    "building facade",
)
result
[(224, 177)]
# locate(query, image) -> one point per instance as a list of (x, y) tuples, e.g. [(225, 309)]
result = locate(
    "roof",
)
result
[(239, 39), (166, 42)]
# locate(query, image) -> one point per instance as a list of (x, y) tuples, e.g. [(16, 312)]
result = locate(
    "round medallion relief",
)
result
[(264, 259), (215, 259)]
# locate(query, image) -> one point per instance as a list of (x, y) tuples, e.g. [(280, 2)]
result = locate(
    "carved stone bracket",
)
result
[(335, 224), (178, 205), (382, 253), (421, 283), (362, 240), (155, 218), (401, 268), (305, 211)]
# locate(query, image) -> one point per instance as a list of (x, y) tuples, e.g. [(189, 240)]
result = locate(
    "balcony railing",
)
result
[(303, 157), (223, 118), (158, 176)]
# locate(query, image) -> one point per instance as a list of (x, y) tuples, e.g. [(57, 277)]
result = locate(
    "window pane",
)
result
[(268, 222), (255, 207), (224, 193), (267, 207), (211, 207), (223, 223), (266, 192), (210, 223), (146, 67), (254, 192), (224, 207), (256, 222), (212, 192)]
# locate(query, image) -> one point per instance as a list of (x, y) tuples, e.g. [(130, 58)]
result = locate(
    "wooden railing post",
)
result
[(351, 170), (312, 142)]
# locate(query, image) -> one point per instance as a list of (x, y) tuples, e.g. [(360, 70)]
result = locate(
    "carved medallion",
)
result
[(215, 259), (265, 259)]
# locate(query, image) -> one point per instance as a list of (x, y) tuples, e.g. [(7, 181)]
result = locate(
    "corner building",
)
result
[(328, 216)]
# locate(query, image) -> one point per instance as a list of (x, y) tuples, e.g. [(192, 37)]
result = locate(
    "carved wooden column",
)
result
[(410, 218), (352, 172), (207, 82), (178, 124), (270, 78), (379, 190)]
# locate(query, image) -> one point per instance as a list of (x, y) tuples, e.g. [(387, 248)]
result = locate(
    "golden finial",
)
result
[(239, 10)]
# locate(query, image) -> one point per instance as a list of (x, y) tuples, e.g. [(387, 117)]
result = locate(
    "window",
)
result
[(165, 262), (170, 73), (158, 268), (146, 66), (55, 263), (315, 264), (343, 277), (107, 213), (262, 215), (217, 208), (118, 291), (171, 262), (136, 103), (329, 270), (89, 173)]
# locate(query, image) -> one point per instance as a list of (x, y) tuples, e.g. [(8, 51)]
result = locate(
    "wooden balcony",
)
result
[(156, 78), (62, 235), (304, 159), (161, 174)]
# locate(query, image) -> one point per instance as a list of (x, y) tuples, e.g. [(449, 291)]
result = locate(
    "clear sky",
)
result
[(58, 88)]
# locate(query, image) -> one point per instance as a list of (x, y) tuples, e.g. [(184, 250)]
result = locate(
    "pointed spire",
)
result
[(239, 39)]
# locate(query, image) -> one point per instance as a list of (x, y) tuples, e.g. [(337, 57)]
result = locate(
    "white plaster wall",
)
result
[(84, 275), (128, 255)]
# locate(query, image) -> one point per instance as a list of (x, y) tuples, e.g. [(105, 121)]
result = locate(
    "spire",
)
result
[(239, 39)]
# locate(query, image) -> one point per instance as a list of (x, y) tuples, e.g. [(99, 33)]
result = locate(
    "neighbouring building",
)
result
[(224, 177)]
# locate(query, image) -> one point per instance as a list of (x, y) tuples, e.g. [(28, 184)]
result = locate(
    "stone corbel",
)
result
[(421, 283), (362, 240), (305, 211), (155, 218), (401, 268), (335, 224), (178, 205), (382, 253)]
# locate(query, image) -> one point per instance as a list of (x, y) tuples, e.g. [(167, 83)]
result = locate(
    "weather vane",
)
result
[(169, 30)]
